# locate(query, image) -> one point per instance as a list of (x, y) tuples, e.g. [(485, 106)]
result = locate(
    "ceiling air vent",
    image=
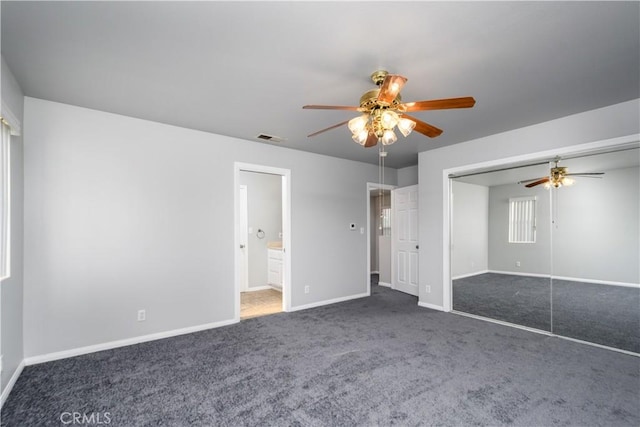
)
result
[(271, 138)]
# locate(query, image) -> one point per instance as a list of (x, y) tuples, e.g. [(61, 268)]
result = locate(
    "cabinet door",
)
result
[(274, 276)]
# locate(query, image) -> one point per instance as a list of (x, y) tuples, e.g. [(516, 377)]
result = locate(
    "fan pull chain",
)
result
[(381, 156)]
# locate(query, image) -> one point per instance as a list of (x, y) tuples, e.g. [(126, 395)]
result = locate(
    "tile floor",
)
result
[(260, 303)]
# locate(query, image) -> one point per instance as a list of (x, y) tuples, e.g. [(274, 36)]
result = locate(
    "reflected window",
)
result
[(522, 220), (385, 222)]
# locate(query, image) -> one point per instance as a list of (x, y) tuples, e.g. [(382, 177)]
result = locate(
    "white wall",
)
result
[(264, 205), (123, 214), (470, 229), (596, 232), (408, 176), (614, 121), (11, 289)]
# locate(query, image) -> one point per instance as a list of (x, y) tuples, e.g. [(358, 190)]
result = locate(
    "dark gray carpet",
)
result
[(607, 315), (521, 300), (380, 360), (602, 314)]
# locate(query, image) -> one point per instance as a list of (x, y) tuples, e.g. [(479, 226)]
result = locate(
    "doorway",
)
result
[(379, 235), (262, 240)]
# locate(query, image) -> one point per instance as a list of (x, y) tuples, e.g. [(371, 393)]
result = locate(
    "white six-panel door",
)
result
[(404, 274)]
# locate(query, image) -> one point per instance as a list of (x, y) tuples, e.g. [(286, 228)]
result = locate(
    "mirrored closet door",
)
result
[(500, 234), (553, 247), (596, 251)]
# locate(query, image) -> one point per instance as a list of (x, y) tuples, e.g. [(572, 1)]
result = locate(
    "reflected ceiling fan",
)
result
[(559, 177), (382, 110)]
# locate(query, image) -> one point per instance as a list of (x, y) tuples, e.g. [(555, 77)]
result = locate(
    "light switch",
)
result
[(250, 230), (361, 230)]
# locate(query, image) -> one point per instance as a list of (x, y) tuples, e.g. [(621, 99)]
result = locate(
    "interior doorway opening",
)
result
[(262, 235), (379, 235)]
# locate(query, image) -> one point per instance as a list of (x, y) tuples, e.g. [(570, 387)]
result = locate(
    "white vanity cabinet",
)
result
[(274, 275)]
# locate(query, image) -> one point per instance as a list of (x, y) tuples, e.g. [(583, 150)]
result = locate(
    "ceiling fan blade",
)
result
[(440, 104), (422, 127), (538, 182), (586, 174), (330, 107), (390, 88), (524, 181), (329, 128), (372, 140)]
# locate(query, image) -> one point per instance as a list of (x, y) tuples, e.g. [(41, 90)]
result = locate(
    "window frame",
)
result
[(522, 229)]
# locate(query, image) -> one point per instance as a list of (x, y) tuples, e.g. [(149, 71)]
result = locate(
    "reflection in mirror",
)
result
[(596, 251), (500, 263), (560, 259)]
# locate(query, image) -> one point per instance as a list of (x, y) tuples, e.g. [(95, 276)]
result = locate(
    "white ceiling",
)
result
[(245, 68)]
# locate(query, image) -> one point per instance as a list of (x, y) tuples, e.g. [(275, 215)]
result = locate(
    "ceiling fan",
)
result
[(382, 110), (558, 177)]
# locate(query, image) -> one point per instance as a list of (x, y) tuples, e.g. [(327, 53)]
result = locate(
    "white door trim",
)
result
[(244, 241), (371, 186), (286, 230)]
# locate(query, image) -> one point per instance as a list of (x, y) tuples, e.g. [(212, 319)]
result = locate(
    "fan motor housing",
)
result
[(369, 101)]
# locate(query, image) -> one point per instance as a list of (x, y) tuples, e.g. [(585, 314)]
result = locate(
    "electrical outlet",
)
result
[(428, 289), (142, 315), (517, 263), (306, 289)]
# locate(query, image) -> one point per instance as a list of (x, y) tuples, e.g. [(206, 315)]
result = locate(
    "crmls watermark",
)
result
[(83, 418)]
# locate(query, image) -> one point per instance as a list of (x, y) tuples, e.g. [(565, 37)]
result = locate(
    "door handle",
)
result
[(241, 246), (417, 246)]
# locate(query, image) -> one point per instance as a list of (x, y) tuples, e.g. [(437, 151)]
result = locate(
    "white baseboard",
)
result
[(569, 279), (597, 282), (375, 272), (519, 273), (462, 276), (34, 360), (327, 302), (259, 288), (388, 285), (11, 383), (431, 306)]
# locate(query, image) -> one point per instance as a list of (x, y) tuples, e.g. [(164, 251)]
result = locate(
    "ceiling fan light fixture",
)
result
[(389, 137), (382, 110), (389, 119), (358, 124), (405, 126), (361, 137)]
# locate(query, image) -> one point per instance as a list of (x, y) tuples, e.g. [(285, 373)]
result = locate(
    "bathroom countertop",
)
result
[(274, 245)]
